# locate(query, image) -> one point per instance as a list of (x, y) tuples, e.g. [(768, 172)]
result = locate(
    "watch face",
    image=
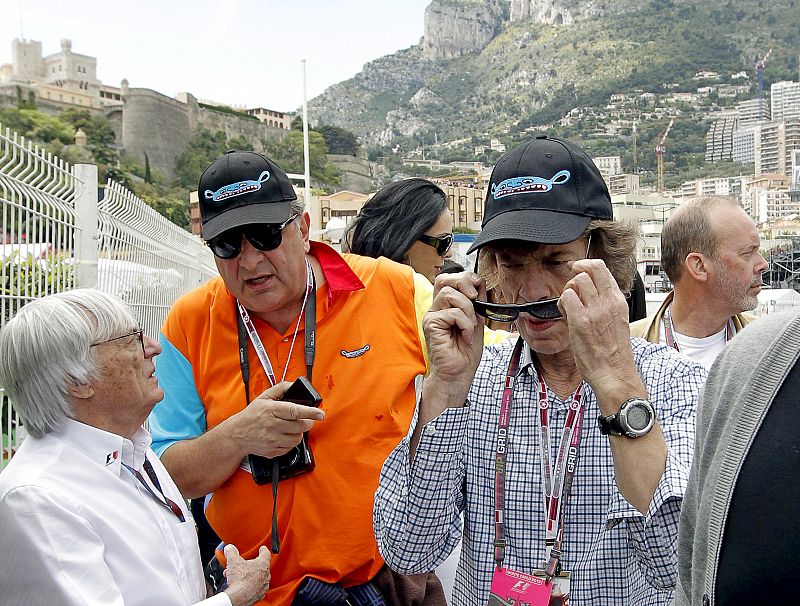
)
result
[(638, 417)]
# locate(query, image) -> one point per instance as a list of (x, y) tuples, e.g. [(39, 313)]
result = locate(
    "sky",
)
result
[(237, 52)]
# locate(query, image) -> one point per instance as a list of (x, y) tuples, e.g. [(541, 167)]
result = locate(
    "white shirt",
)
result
[(703, 350), (79, 529)]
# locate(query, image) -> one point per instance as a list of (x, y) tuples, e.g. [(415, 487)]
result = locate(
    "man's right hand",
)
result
[(454, 335), (248, 580), (269, 427), (453, 331)]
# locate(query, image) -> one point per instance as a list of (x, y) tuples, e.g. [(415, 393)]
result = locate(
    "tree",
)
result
[(79, 118), (288, 154), (203, 149), (339, 140)]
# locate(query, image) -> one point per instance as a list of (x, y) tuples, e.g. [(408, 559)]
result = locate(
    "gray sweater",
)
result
[(741, 386)]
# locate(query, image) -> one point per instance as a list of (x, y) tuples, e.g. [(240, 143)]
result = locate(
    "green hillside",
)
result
[(533, 74)]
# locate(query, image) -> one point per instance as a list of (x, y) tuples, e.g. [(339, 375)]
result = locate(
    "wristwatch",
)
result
[(634, 419)]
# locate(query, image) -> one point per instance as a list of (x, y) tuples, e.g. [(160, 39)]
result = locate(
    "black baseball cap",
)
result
[(546, 191), (242, 188)]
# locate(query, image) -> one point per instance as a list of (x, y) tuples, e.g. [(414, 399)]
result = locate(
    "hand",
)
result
[(454, 332), (597, 316), (248, 580), (269, 427)]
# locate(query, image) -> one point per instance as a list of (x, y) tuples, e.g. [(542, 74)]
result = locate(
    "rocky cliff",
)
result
[(487, 68), (457, 27)]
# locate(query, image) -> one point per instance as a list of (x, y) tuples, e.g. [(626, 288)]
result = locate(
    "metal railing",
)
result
[(58, 233)]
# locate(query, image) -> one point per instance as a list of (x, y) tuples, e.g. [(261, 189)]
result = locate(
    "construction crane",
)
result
[(760, 77), (660, 155)]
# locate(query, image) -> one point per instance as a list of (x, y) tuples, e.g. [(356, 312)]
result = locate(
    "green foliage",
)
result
[(170, 202), (79, 118), (339, 140), (203, 149), (224, 109), (288, 154), (29, 278), (36, 126)]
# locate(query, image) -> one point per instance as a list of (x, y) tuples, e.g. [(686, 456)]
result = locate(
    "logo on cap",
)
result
[(237, 189), (528, 185)]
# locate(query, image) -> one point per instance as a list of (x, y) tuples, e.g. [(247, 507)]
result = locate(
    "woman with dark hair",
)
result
[(407, 221)]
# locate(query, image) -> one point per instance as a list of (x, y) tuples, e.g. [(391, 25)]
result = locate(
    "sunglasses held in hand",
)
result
[(508, 312)]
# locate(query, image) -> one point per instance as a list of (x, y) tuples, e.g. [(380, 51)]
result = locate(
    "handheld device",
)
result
[(299, 459)]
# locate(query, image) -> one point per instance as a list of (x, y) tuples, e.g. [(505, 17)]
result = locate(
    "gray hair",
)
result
[(297, 206), (46, 348)]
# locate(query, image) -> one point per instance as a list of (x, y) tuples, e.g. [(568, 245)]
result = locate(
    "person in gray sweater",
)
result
[(739, 528)]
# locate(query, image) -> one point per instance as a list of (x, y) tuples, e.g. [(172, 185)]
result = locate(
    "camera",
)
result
[(299, 459)]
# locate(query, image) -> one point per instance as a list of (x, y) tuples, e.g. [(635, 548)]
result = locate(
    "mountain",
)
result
[(492, 68)]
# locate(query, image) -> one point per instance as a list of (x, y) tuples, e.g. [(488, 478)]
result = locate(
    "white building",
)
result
[(749, 112), (719, 139), (65, 77), (777, 141), (745, 142), (608, 165), (785, 100)]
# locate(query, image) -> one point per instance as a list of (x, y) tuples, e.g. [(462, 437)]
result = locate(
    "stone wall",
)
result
[(162, 127), (357, 173), (254, 131), (156, 125)]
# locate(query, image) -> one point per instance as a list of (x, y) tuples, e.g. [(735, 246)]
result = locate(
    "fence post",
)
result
[(85, 225)]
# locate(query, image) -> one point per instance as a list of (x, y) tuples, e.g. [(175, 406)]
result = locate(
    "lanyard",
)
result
[(669, 330), (246, 328), (162, 500), (244, 320), (556, 480)]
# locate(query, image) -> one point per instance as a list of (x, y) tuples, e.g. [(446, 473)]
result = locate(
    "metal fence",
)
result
[(60, 232)]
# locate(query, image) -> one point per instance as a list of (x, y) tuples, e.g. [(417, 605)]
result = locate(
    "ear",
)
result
[(305, 230), (81, 392), (696, 266)]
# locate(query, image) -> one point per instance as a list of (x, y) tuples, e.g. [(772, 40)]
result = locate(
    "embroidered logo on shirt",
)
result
[(111, 457), (355, 353)]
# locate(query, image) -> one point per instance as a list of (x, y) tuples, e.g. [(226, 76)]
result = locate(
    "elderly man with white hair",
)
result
[(88, 514)]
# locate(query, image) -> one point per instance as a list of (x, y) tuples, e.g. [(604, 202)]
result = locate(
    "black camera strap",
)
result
[(309, 350)]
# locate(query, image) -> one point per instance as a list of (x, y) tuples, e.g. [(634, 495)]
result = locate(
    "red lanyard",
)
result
[(669, 331), (556, 480), (256, 340), (163, 500)]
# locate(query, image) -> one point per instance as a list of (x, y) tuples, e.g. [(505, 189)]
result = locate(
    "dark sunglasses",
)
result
[(264, 236), (441, 243), (502, 312)]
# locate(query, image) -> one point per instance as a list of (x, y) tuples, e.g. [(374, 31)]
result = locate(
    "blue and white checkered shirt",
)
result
[(616, 554)]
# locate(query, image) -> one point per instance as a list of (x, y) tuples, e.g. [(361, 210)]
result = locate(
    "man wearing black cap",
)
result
[(285, 307), (567, 450)]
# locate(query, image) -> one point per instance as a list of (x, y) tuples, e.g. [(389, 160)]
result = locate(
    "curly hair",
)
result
[(612, 241)]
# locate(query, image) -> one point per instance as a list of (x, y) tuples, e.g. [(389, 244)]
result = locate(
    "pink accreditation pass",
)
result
[(512, 588)]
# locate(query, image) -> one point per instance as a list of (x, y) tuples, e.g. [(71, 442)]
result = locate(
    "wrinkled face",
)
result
[(125, 388), (270, 284), (423, 257), (735, 269), (534, 272)]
